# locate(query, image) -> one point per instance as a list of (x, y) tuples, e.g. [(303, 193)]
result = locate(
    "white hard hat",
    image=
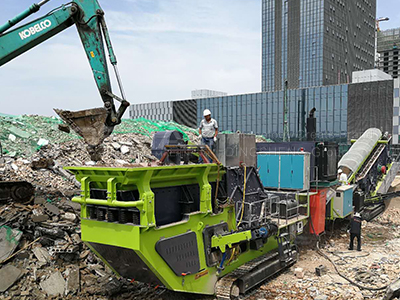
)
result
[(340, 171), (206, 112), (358, 215)]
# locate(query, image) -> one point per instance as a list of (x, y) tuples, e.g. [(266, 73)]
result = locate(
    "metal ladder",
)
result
[(285, 249)]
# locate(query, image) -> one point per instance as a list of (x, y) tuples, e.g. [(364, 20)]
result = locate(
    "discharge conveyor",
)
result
[(360, 150)]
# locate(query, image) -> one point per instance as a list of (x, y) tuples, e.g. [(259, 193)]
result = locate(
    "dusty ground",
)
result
[(376, 265)]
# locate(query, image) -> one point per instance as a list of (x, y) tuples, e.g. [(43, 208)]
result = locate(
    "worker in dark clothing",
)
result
[(355, 231)]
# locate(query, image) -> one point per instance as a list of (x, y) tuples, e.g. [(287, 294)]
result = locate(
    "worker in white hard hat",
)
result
[(208, 130), (355, 231), (342, 177)]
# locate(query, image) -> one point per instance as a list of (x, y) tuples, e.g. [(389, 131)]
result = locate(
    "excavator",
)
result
[(94, 125)]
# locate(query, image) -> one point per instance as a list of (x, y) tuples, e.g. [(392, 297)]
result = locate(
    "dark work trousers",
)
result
[(352, 237), (210, 143)]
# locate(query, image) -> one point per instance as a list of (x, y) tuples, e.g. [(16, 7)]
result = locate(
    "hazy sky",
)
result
[(165, 49)]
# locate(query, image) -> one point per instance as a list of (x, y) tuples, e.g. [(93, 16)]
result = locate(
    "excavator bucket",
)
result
[(91, 125)]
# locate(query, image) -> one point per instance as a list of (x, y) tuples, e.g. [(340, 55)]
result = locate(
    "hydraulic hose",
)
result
[(319, 251), (244, 196)]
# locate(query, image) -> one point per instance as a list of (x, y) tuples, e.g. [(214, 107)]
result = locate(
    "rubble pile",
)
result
[(41, 254), (43, 165), (43, 257), (391, 217), (22, 136)]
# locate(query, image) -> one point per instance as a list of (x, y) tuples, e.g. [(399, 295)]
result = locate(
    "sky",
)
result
[(165, 49)]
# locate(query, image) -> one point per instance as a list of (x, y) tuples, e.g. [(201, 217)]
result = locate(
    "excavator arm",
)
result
[(94, 125)]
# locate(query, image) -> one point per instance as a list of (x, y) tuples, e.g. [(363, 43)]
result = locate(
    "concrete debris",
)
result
[(9, 275), (58, 265), (69, 216), (321, 270), (51, 209), (18, 132), (40, 218), (125, 149), (73, 280), (42, 142), (9, 240), (392, 291), (14, 167), (28, 130), (376, 266), (298, 272), (39, 200), (12, 137), (41, 254), (54, 285), (42, 163), (116, 146)]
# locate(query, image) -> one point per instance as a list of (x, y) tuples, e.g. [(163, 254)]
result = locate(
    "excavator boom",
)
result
[(94, 125)]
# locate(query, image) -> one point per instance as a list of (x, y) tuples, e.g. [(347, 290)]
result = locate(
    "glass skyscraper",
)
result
[(315, 42)]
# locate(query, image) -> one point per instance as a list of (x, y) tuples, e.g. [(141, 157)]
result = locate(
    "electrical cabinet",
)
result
[(284, 170), (343, 201)]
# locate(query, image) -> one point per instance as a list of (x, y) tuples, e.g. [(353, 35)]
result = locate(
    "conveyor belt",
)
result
[(367, 167)]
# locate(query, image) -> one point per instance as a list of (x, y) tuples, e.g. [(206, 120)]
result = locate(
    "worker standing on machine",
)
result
[(208, 131), (355, 231), (342, 177)]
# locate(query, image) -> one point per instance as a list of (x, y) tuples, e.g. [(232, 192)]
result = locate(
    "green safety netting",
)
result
[(24, 135), (259, 137), (146, 127)]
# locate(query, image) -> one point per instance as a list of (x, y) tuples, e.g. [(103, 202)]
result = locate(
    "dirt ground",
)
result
[(377, 265)]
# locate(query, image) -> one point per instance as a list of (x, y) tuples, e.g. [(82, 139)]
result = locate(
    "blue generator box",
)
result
[(284, 170)]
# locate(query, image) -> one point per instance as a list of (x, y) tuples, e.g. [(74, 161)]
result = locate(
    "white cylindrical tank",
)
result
[(360, 150)]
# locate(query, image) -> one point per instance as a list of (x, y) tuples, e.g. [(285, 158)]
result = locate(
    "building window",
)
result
[(396, 93)]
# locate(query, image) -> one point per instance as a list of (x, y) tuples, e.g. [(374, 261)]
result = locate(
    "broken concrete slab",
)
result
[(42, 142), (9, 240), (69, 216), (9, 275), (299, 273), (126, 143), (39, 200), (54, 285), (73, 280), (12, 137), (41, 254), (51, 209), (125, 149), (75, 206), (40, 218), (19, 132), (42, 163), (392, 291), (116, 146)]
